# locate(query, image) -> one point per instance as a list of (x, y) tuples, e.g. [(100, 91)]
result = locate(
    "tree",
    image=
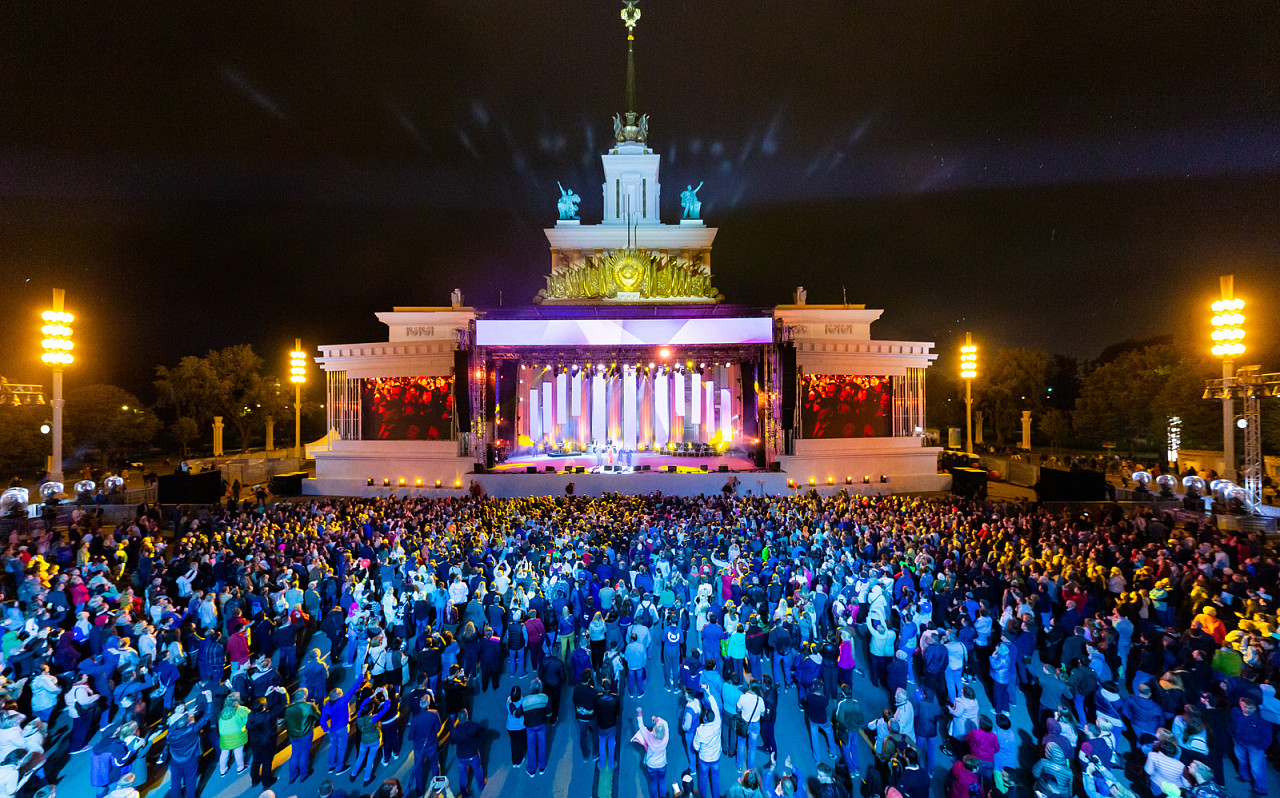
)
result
[(184, 431), (1118, 400), (240, 386), (226, 382), (1062, 384), (24, 449), (1056, 426), (1013, 381), (190, 389), (111, 420)]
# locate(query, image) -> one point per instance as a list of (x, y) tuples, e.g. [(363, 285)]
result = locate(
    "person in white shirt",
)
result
[(45, 690), (655, 751), (706, 741)]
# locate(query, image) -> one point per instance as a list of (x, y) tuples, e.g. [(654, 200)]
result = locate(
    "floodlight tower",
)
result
[(1228, 344), (57, 346), (968, 371), (297, 376)]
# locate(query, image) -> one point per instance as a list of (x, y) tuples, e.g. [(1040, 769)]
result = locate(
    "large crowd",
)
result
[(199, 642)]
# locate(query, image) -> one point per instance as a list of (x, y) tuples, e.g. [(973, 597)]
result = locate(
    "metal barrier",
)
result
[(1013, 471), (1247, 523)]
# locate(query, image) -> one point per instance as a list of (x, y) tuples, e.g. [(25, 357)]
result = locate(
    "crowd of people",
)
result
[(907, 635)]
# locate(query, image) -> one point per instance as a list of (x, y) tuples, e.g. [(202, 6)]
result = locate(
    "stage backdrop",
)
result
[(407, 408), (844, 406)]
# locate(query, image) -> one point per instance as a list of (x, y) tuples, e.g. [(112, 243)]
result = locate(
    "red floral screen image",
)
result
[(844, 406), (408, 408)]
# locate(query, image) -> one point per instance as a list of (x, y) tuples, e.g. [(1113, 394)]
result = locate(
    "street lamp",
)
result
[(968, 370), (1228, 344), (297, 376), (57, 346)]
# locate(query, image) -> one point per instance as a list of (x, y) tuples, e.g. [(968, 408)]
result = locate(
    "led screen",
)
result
[(407, 408), (618, 332), (844, 406)]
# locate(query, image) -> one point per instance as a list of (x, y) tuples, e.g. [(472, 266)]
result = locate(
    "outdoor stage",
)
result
[(638, 462), (629, 347)]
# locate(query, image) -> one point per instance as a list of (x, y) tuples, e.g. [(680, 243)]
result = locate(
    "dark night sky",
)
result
[(1056, 175)]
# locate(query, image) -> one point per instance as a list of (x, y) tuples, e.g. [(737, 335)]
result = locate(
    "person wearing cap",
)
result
[(182, 751)]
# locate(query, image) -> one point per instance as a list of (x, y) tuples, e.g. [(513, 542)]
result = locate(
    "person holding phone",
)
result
[(655, 742)]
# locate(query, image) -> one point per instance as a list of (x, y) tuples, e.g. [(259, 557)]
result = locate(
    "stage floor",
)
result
[(656, 462)]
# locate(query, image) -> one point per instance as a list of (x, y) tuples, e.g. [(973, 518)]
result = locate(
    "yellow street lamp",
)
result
[(57, 346), (1228, 344), (968, 371), (297, 376)]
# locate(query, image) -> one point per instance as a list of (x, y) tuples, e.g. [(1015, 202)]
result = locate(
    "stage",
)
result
[(620, 463)]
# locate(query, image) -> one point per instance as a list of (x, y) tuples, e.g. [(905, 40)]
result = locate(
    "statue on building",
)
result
[(801, 295), (568, 203), (690, 202), (455, 298)]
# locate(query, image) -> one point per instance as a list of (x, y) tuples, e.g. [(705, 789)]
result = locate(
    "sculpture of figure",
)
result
[(801, 295), (690, 202), (455, 298), (643, 135), (617, 128), (568, 203)]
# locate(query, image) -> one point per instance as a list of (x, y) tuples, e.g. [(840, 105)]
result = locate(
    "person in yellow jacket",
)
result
[(233, 733)]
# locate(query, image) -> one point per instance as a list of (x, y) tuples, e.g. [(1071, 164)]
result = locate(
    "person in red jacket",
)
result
[(238, 650), (964, 774), (983, 745)]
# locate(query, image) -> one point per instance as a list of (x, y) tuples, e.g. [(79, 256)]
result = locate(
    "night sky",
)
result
[(1054, 175)]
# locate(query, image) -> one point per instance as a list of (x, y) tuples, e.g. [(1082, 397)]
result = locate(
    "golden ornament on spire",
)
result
[(630, 16)]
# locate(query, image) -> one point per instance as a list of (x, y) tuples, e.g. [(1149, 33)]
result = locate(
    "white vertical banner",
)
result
[(695, 397), (710, 417), (575, 399), (548, 417), (562, 398), (598, 409), (629, 407), (535, 418), (661, 410), (677, 390), (726, 415)]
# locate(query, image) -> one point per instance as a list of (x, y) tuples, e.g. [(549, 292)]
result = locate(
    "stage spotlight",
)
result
[(437, 483), (457, 483), (369, 482), (418, 482), (866, 480), (884, 478), (664, 353), (812, 482), (403, 482), (848, 480), (831, 480), (386, 482)]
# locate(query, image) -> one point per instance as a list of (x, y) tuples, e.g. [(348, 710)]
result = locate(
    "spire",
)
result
[(635, 127), (631, 75)]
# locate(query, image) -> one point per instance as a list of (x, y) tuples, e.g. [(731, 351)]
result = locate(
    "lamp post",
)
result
[(1228, 344), (297, 376), (968, 370), (57, 347)]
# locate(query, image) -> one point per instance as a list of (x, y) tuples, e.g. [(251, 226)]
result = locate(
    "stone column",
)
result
[(217, 436), (1026, 430), (977, 426), (271, 433)]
